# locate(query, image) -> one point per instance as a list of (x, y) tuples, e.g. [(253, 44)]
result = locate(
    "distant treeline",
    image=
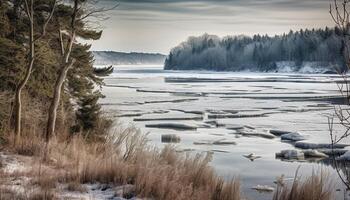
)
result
[(321, 48), (121, 58)]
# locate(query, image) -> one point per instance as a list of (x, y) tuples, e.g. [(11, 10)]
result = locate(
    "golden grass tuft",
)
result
[(317, 186)]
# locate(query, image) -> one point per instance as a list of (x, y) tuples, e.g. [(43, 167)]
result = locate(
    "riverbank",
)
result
[(122, 166)]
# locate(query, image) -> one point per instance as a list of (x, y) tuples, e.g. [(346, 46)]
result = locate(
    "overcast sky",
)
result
[(159, 25)]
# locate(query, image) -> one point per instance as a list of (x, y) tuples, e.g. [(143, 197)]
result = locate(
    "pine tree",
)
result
[(83, 81), (89, 111)]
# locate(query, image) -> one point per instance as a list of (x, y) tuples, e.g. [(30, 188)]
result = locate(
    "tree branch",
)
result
[(60, 37), (100, 10), (43, 33), (27, 10)]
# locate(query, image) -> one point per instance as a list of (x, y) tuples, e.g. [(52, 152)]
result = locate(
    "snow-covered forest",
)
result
[(317, 50)]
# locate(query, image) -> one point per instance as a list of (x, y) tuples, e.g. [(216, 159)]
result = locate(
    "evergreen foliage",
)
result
[(82, 88), (104, 71), (89, 111)]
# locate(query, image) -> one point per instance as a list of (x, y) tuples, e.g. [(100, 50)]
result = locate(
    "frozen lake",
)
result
[(215, 104)]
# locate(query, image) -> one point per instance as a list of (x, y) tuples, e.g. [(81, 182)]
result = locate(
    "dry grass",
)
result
[(6, 193), (317, 186), (124, 158), (42, 195), (165, 174), (5, 111)]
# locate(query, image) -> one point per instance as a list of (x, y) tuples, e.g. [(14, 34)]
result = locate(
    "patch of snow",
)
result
[(99, 191), (18, 185), (285, 66), (249, 132), (305, 68), (11, 164), (263, 188), (313, 67)]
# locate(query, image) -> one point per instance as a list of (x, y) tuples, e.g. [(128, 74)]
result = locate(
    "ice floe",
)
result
[(170, 138), (314, 154), (254, 133), (263, 188), (176, 126), (344, 157), (279, 132), (217, 142), (290, 154), (294, 136), (198, 112), (171, 101), (221, 116), (308, 145), (333, 152), (170, 118)]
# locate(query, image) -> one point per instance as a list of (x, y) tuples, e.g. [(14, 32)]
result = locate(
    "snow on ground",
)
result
[(13, 173), (11, 164), (99, 191), (16, 177)]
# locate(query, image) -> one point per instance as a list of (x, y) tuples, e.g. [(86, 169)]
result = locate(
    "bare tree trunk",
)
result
[(51, 123), (66, 64), (29, 10), (18, 100)]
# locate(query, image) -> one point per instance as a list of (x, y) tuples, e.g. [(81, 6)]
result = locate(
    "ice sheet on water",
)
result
[(293, 103)]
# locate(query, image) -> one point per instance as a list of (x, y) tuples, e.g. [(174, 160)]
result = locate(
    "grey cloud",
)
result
[(170, 21), (218, 8)]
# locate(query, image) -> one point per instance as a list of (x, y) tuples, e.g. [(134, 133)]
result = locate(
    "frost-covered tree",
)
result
[(258, 53)]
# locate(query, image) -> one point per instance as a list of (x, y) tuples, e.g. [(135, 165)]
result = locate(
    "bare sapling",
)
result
[(339, 11)]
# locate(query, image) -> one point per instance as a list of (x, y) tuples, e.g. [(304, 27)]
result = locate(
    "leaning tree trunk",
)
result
[(51, 123), (66, 64)]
